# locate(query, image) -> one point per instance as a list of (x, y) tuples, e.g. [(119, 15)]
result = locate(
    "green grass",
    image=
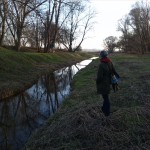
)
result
[(19, 70), (80, 124)]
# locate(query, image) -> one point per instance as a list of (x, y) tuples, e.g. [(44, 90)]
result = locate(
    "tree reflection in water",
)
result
[(22, 114)]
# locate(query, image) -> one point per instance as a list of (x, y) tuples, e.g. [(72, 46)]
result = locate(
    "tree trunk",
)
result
[(3, 17), (2, 35)]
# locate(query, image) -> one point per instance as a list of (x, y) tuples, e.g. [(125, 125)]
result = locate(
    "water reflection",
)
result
[(20, 115)]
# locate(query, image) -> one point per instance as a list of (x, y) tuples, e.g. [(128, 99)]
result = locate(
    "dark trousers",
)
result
[(106, 105)]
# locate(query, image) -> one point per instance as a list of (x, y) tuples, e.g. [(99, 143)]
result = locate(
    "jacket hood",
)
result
[(105, 60)]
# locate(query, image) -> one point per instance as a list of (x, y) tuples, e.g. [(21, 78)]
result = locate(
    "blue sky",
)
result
[(108, 14)]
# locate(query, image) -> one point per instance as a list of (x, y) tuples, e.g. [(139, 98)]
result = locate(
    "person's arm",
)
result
[(99, 74), (114, 71)]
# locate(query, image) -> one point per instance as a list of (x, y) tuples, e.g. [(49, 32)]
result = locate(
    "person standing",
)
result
[(103, 80)]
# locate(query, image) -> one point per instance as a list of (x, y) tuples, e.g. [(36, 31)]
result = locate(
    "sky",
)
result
[(108, 14)]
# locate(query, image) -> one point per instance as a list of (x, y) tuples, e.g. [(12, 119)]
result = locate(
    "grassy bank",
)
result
[(20, 70), (80, 124)]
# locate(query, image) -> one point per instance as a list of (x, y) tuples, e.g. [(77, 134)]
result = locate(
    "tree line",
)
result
[(135, 30), (44, 24)]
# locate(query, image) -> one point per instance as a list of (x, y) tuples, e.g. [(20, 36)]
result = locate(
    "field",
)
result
[(80, 124)]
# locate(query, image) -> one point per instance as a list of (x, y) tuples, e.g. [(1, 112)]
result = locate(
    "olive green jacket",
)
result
[(103, 81)]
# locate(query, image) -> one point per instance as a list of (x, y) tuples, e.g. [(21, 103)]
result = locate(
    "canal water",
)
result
[(22, 114)]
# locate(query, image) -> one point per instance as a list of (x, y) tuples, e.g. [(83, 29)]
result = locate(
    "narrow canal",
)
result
[(22, 114)]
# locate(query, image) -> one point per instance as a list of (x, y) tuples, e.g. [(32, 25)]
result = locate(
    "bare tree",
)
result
[(141, 17), (77, 24), (123, 26), (18, 13), (3, 17), (57, 15), (136, 28), (51, 22), (110, 42)]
